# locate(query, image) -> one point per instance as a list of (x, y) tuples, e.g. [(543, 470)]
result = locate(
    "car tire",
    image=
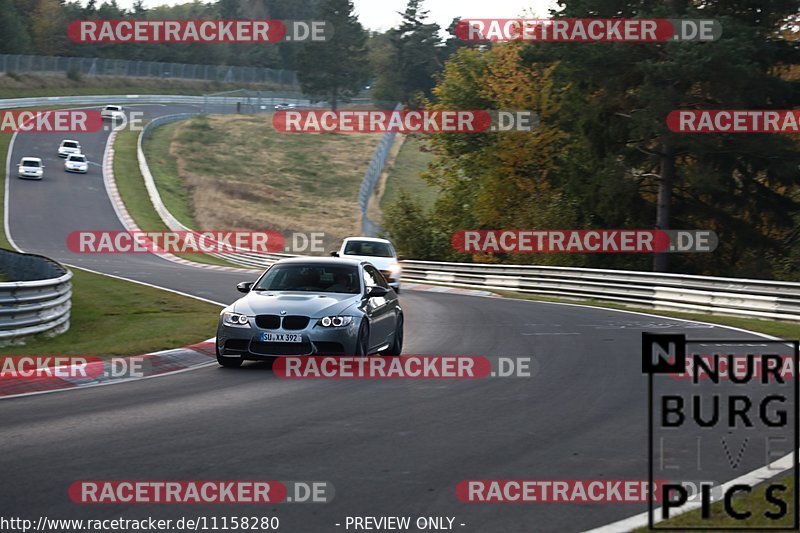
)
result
[(397, 289), (362, 344), (397, 343), (228, 362)]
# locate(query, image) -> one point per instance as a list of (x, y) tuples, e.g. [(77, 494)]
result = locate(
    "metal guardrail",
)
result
[(675, 292), (98, 66), (251, 102), (11, 103), (39, 302), (370, 228)]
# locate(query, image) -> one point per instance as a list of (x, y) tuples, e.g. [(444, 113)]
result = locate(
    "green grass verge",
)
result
[(404, 175), (115, 317), (5, 139), (133, 192), (164, 168), (754, 502), (237, 171)]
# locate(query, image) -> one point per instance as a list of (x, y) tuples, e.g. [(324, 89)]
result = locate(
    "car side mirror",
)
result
[(334, 253), (244, 286), (376, 291)]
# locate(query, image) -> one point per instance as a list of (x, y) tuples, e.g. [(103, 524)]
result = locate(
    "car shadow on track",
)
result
[(265, 365)]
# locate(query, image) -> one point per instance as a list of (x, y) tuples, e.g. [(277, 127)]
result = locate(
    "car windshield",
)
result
[(370, 248), (311, 278), (70, 144), (29, 163), (113, 108), (77, 158)]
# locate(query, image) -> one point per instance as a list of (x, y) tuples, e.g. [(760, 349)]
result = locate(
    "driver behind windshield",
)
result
[(341, 283), (293, 278)]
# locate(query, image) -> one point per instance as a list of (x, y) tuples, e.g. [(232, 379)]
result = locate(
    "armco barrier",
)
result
[(98, 100), (676, 292), (368, 227), (38, 302)]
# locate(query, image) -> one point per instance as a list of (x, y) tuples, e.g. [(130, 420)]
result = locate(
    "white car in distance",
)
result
[(30, 168), (68, 147), (76, 163), (112, 112), (379, 252)]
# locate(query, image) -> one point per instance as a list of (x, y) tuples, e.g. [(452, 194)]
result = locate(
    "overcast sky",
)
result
[(382, 14)]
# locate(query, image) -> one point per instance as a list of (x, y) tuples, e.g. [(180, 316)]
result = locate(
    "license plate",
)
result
[(281, 337)]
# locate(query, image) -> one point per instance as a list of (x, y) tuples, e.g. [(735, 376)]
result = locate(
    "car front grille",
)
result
[(268, 321), (291, 322), (295, 322)]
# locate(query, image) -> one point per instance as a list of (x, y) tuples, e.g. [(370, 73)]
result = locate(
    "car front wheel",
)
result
[(397, 344), (362, 345)]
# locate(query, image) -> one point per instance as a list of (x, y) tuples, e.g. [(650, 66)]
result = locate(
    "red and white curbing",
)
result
[(99, 372), (127, 220)]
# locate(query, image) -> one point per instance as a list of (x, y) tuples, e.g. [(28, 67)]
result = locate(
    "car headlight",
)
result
[(394, 268), (335, 321), (234, 319)]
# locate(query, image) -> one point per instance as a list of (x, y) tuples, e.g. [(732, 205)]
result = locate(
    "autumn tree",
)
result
[(735, 184)]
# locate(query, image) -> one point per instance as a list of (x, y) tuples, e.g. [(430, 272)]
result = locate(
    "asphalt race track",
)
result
[(389, 447)]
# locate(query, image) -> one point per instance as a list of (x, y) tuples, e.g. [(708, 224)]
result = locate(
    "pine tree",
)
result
[(337, 68)]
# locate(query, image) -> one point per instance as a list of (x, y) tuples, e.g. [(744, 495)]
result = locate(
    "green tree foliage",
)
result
[(39, 26), (16, 39), (603, 156), (413, 232), (338, 68), (734, 184), (411, 58)]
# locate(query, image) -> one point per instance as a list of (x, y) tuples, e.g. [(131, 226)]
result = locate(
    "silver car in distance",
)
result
[(311, 306)]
